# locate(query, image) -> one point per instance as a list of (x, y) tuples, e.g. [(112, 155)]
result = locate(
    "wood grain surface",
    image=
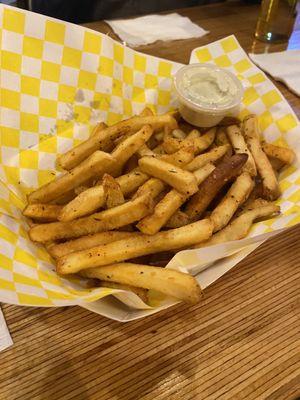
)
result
[(241, 342)]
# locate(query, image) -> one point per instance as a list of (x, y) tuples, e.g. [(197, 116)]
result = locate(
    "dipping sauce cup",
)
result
[(207, 94)]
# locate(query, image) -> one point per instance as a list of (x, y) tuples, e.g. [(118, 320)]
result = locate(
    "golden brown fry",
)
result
[(42, 212), (178, 134), (94, 166), (112, 192), (224, 172), (140, 292), (240, 147), (276, 163), (211, 156), (240, 226), (266, 172), (250, 204), (221, 137), (129, 146), (86, 242), (93, 198), (171, 145), (99, 127), (171, 202), (194, 134), (113, 218), (102, 139), (146, 112), (283, 154), (80, 189), (178, 219), (152, 187), (180, 158), (135, 247), (145, 151), (181, 180), (235, 196), (165, 280)]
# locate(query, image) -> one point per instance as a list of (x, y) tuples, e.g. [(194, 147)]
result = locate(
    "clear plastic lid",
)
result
[(208, 88)]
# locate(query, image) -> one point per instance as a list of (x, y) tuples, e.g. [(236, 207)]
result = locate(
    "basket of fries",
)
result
[(106, 190)]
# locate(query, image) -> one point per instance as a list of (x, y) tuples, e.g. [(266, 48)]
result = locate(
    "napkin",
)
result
[(149, 29), (284, 66), (5, 338)]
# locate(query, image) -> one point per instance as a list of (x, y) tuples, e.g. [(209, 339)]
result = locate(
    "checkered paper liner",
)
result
[(57, 81)]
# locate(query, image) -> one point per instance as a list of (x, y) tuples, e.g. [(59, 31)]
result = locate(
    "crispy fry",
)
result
[(180, 158), (86, 242), (129, 146), (99, 127), (194, 134), (240, 147), (276, 163), (152, 187), (112, 192), (80, 189), (134, 247), (171, 145), (140, 292), (145, 151), (250, 204), (181, 180), (283, 154), (266, 172), (165, 280), (221, 137), (101, 139), (240, 226), (113, 218), (178, 219), (224, 172), (235, 196), (93, 198), (94, 166), (211, 156), (42, 212), (171, 202)]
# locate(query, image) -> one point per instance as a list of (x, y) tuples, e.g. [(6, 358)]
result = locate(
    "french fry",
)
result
[(42, 212), (221, 137), (145, 151), (178, 134), (240, 147), (101, 139), (180, 158), (233, 199), (112, 192), (171, 202), (171, 145), (159, 150), (240, 226), (86, 242), (135, 247), (250, 204), (178, 219), (181, 180), (146, 112), (129, 146), (211, 156), (266, 172), (193, 134), (93, 198), (276, 163), (140, 292), (99, 127), (94, 166), (110, 219), (225, 171), (283, 154), (152, 187), (168, 281), (80, 189)]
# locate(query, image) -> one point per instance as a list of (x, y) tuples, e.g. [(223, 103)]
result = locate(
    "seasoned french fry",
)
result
[(113, 218), (99, 127), (171, 145), (211, 156), (129, 146), (266, 172), (80, 189), (112, 192), (165, 280), (283, 154), (221, 137), (93, 198), (140, 292), (178, 219), (224, 172), (86, 242), (145, 151), (181, 180), (171, 202), (240, 147), (180, 158), (235, 196), (250, 204), (178, 134), (240, 226), (194, 134), (94, 166), (276, 163), (101, 139), (42, 212), (135, 247), (152, 187)]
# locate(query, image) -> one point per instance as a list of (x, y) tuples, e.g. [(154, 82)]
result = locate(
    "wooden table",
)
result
[(241, 342)]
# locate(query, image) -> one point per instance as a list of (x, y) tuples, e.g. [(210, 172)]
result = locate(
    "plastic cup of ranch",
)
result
[(207, 94)]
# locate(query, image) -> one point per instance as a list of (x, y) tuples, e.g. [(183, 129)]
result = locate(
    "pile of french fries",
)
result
[(149, 186)]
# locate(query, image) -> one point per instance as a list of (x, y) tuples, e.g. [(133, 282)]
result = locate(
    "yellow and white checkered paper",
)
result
[(57, 81)]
